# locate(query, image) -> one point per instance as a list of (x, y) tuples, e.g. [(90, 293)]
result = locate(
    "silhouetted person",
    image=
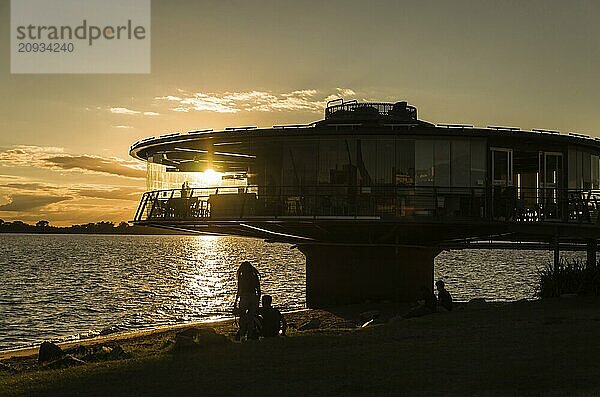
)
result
[(444, 297), (428, 306), (248, 293), (185, 190), (272, 319)]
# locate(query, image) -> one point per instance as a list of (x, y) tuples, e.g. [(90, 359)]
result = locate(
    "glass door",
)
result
[(502, 167), (550, 183), (503, 191)]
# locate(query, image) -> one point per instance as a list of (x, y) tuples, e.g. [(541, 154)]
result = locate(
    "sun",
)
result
[(208, 178), (212, 177)]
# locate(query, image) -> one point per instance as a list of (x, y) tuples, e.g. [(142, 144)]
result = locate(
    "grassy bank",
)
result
[(569, 277), (520, 348)]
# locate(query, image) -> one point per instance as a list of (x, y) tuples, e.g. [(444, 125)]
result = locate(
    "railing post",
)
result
[(141, 207), (556, 254), (436, 210), (154, 200)]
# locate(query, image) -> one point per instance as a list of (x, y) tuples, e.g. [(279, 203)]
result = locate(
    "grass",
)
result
[(520, 348), (569, 277)]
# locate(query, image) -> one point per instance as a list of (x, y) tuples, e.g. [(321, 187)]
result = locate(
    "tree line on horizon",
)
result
[(103, 227)]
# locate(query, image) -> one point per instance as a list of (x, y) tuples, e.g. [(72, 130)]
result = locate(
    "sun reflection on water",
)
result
[(86, 283)]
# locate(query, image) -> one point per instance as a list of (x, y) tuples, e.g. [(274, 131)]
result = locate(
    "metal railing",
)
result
[(544, 204), (355, 109), (441, 203)]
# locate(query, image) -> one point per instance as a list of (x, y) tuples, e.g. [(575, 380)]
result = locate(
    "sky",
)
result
[(64, 139)]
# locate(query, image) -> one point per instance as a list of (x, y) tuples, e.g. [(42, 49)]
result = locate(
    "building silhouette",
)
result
[(371, 194)]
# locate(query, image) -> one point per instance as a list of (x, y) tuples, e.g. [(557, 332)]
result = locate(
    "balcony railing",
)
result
[(353, 109), (391, 203)]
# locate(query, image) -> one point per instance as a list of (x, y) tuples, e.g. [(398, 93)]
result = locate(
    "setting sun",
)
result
[(208, 178)]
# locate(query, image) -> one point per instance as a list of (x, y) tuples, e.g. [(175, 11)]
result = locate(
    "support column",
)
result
[(556, 254), (338, 274), (592, 248)]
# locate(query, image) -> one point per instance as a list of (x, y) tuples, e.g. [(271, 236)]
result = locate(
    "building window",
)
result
[(478, 162), (424, 163), (441, 170), (404, 174), (460, 165)]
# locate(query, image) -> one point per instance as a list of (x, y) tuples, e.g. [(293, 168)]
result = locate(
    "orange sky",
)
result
[(64, 138)]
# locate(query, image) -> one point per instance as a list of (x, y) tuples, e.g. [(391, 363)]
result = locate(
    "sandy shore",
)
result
[(520, 348)]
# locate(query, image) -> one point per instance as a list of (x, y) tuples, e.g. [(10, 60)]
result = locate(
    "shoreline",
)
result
[(123, 335), (126, 334), (522, 347), (224, 325)]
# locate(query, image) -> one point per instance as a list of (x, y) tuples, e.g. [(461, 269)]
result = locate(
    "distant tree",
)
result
[(17, 226), (42, 223), (123, 225), (105, 225), (1, 222)]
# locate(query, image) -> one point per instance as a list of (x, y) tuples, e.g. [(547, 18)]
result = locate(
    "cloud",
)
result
[(29, 199), (123, 111), (118, 110), (29, 186), (26, 155), (67, 212), (202, 102), (119, 193), (345, 92), (97, 164), (122, 127), (309, 100), (56, 159), (35, 186), (10, 177), (28, 202), (103, 191)]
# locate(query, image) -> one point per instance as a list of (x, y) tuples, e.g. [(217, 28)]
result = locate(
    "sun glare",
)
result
[(208, 178)]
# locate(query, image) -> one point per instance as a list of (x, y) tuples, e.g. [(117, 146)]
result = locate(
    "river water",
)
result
[(70, 286)]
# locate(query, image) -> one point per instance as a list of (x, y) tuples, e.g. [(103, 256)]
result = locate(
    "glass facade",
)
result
[(397, 176), (336, 162), (424, 162), (404, 174), (584, 170), (296, 170), (383, 162), (159, 177)]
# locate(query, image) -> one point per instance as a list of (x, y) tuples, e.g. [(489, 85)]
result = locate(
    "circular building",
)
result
[(371, 194)]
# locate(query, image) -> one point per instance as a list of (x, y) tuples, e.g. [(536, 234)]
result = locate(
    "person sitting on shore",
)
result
[(444, 297), (428, 306), (272, 319), (248, 293)]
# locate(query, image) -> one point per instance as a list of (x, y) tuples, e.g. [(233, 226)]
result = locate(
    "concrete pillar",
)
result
[(592, 248), (341, 274)]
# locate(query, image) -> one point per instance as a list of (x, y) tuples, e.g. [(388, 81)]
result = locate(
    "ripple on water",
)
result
[(60, 285)]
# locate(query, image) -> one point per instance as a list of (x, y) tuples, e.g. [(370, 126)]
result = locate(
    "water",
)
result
[(58, 286)]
